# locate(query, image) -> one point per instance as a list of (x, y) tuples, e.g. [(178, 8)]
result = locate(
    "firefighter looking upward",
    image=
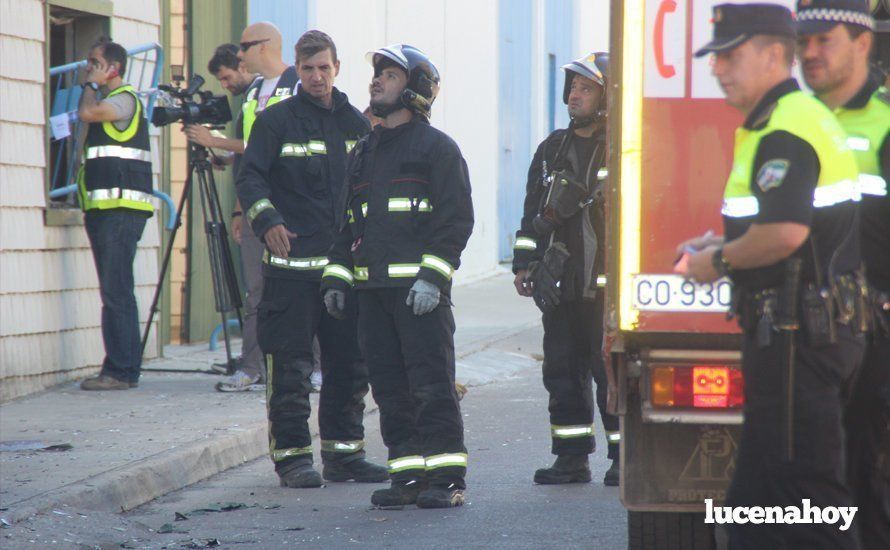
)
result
[(409, 216), (559, 261)]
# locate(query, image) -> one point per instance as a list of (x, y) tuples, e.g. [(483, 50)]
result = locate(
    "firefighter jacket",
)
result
[(116, 172), (409, 213), (293, 173), (584, 232)]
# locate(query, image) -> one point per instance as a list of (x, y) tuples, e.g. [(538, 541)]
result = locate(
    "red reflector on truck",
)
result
[(696, 386)]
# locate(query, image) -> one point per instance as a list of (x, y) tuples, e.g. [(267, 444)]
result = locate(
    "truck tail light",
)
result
[(697, 387)]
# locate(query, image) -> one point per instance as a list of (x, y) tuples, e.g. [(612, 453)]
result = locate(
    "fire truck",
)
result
[(674, 368)]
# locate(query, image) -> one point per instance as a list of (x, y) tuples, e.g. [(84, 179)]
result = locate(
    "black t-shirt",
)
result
[(834, 239)]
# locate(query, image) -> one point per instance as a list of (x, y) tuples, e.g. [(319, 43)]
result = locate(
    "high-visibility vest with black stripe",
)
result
[(805, 117), (867, 129), (283, 90), (116, 169)]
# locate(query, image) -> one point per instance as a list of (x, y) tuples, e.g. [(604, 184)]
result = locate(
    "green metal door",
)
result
[(210, 23)]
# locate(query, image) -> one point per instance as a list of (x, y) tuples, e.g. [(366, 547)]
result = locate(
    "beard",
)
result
[(833, 77), (381, 108)]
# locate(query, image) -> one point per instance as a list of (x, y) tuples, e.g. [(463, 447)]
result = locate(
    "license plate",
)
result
[(674, 293)]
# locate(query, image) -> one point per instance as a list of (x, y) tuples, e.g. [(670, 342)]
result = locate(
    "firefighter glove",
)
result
[(545, 276), (335, 303), (423, 296)]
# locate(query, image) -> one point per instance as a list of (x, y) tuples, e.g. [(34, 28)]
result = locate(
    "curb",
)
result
[(134, 484), (146, 479)]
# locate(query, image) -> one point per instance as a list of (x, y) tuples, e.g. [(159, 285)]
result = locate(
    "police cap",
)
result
[(818, 16), (736, 23)]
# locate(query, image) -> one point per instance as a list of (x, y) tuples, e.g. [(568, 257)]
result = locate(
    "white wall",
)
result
[(462, 41), (591, 26)]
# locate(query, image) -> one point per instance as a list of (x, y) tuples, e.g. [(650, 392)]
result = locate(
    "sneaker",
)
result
[(566, 469), (102, 383), (358, 469), (399, 493), (240, 381), (300, 476), (315, 380), (440, 497), (613, 474)]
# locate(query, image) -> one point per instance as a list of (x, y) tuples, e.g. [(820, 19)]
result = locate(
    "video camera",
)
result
[(212, 109)]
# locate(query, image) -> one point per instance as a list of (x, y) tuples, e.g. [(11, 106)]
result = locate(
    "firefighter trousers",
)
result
[(868, 443), (763, 476), (411, 366), (573, 361), (290, 316)]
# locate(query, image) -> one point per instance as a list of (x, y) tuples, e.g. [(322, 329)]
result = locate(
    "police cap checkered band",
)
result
[(818, 16)]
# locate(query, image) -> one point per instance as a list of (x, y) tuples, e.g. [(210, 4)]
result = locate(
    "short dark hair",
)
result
[(855, 31), (225, 55), (788, 45), (112, 52), (313, 42)]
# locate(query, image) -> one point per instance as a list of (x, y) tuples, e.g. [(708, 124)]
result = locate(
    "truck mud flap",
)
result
[(672, 467)]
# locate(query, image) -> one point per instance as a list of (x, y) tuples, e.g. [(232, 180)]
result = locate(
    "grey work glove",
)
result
[(424, 296), (335, 303)]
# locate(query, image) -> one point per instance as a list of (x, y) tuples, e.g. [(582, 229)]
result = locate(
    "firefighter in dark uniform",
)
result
[(831, 34), (409, 216), (791, 248), (292, 178), (559, 261)]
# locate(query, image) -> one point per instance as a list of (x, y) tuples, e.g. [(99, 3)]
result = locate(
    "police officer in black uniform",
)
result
[(834, 41), (409, 216), (791, 250), (558, 259), (292, 178)]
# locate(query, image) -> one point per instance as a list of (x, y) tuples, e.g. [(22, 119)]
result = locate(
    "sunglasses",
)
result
[(247, 45)]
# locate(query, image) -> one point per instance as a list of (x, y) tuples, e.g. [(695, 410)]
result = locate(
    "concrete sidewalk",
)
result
[(129, 447)]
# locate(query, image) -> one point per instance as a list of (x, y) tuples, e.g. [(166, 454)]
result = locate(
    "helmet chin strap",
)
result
[(597, 116), (382, 111)]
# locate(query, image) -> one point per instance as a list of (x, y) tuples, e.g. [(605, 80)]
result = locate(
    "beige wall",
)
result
[(49, 300), (178, 171)]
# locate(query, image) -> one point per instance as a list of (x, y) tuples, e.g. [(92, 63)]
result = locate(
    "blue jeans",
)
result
[(113, 237)]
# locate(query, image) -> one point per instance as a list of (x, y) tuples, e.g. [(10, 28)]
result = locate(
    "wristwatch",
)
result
[(720, 264), (92, 85)]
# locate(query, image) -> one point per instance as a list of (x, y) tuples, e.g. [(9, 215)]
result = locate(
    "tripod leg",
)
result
[(230, 363), (165, 263), (225, 286)]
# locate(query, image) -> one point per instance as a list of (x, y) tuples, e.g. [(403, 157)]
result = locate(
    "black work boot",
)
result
[(399, 493), (299, 475), (613, 474), (566, 469), (439, 496), (353, 467)]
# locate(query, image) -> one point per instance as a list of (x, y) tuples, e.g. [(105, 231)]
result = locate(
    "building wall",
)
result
[(49, 300)]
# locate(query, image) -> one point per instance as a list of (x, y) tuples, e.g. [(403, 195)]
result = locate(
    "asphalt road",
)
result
[(507, 434)]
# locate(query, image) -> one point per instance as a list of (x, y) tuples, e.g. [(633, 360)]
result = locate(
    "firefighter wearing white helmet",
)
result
[(557, 261), (408, 218)]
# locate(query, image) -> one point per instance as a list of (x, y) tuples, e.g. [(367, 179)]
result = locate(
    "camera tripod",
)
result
[(226, 294)]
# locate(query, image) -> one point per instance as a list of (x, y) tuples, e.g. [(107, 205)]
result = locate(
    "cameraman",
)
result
[(115, 189), (232, 75)]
